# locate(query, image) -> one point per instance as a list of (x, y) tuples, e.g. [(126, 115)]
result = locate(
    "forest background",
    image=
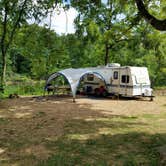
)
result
[(113, 31)]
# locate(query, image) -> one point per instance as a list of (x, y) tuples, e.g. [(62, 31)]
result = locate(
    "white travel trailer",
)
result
[(111, 79)]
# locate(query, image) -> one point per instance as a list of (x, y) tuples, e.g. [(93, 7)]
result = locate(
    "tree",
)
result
[(109, 24), (12, 15), (7, 9), (40, 48), (156, 23)]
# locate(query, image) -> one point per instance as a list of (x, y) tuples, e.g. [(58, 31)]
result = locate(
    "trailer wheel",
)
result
[(105, 93), (97, 92)]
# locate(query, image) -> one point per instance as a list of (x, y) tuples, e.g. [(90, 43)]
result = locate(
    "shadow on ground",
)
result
[(120, 149), (57, 133), (105, 142)]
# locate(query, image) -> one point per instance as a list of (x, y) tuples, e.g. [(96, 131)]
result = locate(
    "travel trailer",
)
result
[(112, 79)]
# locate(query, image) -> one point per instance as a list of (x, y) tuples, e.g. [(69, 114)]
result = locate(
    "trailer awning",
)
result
[(74, 77)]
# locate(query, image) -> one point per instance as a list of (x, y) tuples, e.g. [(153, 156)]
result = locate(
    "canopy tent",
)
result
[(74, 77)]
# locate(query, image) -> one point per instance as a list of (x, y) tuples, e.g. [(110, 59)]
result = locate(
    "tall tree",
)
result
[(159, 24), (110, 23), (12, 15)]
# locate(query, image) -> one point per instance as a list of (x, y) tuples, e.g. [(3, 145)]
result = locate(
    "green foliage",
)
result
[(116, 30), (22, 85), (112, 29), (44, 49)]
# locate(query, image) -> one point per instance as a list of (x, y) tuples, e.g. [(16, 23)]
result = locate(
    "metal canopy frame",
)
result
[(74, 77)]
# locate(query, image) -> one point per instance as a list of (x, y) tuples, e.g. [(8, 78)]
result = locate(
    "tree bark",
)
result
[(3, 51), (156, 23)]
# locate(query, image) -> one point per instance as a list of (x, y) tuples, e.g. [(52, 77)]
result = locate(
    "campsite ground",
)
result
[(54, 131)]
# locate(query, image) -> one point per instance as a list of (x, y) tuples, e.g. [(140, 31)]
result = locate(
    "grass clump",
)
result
[(23, 85)]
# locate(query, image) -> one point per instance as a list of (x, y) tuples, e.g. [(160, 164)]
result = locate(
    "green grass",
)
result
[(124, 141), (120, 149), (23, 85), (25, 88), (3, 121), (160, 87)]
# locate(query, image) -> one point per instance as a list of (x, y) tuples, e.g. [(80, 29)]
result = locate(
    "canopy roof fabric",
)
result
[(74, 76)]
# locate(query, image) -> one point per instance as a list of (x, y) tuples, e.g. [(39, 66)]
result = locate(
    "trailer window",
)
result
[(90, 77), (125, 79), (115, 75)]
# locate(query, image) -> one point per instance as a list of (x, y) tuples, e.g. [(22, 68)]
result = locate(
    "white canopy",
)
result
[(74, 76)]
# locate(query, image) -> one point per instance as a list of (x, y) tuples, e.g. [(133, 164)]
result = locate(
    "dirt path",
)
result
[(125, 107)]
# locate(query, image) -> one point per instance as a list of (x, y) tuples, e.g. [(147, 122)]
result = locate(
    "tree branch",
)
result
[(156, 23)]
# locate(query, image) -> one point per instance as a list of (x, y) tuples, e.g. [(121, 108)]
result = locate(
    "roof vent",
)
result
[(113, 65)]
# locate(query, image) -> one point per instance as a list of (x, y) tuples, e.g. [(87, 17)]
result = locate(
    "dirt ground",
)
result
[(27, 124)]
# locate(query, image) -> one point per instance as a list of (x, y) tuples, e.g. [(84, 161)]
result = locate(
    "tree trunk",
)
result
[(4, 44), (3, 51), (3, 72)]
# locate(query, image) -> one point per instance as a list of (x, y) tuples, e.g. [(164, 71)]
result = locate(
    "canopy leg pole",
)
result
[(74, 100)]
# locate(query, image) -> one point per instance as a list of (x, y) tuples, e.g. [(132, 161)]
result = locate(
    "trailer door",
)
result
[(124, 81), (115, 81)]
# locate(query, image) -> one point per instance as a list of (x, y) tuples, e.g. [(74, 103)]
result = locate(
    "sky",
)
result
[(63, 23)]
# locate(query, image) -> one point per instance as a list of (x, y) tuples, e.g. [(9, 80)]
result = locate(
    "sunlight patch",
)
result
[(80, 136), (56, 102), (2, 150), (12, 109), (19, 108), (90, 119), (104, 119), (98, 119), (24, 107), (105, 131), (2, 116), (21, 115)]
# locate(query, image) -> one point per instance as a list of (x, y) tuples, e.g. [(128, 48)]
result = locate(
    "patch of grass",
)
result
[(125, 149), (25, 160), (160, 87), (3, 121), (60, 160), (24, 89), (13, 144), (40, 114), (123, 145), (23, 85), (150, 116)]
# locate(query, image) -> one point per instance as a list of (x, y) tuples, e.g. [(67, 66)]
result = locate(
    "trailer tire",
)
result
[(97, 92), (105, 93)]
